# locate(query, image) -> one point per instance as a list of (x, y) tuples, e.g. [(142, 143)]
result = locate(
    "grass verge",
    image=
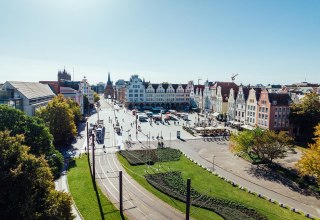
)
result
[(91, 205), (206, 183)]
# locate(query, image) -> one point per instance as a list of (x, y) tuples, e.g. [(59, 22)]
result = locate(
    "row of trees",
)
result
[(26, 183), (36, 135), (304, 117), (264, 146)]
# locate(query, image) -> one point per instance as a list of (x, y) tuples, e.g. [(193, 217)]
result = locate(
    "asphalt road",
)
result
[(138, 203)]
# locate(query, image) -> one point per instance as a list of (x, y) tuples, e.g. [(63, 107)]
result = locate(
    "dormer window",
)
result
[(274, 102)]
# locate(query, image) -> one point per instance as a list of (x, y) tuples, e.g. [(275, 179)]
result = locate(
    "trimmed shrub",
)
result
[(151, 156)]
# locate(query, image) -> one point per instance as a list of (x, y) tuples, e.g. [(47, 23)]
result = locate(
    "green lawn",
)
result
[(205, 182), (84, 195)]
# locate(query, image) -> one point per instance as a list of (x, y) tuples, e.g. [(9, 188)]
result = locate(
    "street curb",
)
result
[(299, 212), (74, 204)]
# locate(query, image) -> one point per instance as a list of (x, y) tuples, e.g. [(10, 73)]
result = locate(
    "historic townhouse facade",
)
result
[(232, 105), (140, 93), (196, 97), (242, 96), (85, 89), (274, 110), (252, 106), (220, 95)]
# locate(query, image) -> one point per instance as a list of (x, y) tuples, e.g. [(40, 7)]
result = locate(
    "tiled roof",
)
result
[(201, 87), (280, 98), (32, 90), (225, 89)]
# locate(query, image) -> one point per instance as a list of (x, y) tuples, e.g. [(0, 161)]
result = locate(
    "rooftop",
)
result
[(32, 90)]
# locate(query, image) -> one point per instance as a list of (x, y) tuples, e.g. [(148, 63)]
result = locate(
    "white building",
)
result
[(241, 102), (140, 93), (85, 89), (26, 96), (252, 106), (73, 94), (232, 105)]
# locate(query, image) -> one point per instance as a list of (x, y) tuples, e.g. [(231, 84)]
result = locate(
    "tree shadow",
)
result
[(287, 177)]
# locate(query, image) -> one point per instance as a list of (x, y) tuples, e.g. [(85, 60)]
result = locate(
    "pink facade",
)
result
[(273, 111)]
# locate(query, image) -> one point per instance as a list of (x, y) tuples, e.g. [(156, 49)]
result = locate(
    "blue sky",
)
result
[(168, 40)]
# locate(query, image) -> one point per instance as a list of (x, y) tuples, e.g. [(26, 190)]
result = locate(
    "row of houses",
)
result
[(247, 106)]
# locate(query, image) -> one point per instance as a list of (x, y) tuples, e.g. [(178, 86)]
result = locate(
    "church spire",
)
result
[(109, 77)]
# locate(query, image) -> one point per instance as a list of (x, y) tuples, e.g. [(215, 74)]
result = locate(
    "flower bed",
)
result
[(172, 184), (150, 156)]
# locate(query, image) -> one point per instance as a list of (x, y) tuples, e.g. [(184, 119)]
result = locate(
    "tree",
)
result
[(60, 119), (243, 142), (271, 145), (96, 97), (309, 164), (305, 116), (75, 110), (36, 135), (26, 186), (86, 104), (265, 145)]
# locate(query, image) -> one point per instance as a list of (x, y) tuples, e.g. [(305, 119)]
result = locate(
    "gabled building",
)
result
[(274, 110), (231, 114), (220, 95), (139, 93), (26, 96), (241, 104), (252, 107), (86, 90), (196, 97)]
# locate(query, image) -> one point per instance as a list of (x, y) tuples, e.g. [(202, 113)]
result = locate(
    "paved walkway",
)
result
[(61, 184), (243, 173)]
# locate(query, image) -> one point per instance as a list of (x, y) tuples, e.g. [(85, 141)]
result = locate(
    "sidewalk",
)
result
[(61, 184)]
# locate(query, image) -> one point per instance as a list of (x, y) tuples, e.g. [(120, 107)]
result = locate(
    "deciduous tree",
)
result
[(26, 186), (305, 116), (96, 97), (271, 145), (309, 164), (36, 135), (60, 119)]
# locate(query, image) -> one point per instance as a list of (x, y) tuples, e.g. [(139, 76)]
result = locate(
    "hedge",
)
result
[(150, 156)]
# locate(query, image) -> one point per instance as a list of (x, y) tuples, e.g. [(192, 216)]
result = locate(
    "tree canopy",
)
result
[(309, 164), (305, 116), (59, 117), (265, 145), (96, 97), (36, 135), (75, 110), (26, 186)]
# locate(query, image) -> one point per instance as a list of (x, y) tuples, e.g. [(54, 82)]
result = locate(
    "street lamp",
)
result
[(213, 162)]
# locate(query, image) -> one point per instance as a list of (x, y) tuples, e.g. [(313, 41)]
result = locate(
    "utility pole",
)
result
[(120, 193), (188, 199), (87, 138), (136, 126), (213, 163), (93, 160)]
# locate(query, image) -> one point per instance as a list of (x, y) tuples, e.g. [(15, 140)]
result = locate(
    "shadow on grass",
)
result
[(286, 177), (96, 190)]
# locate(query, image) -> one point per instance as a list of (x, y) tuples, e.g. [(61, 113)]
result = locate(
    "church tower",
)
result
[(109, 90)]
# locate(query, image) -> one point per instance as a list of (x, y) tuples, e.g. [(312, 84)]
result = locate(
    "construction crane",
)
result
[(233, 77)]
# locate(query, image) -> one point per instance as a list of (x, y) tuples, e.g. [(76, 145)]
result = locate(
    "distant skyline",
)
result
[(267, 41)]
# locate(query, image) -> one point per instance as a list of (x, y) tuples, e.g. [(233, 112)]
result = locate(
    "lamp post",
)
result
[(213, 162)]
